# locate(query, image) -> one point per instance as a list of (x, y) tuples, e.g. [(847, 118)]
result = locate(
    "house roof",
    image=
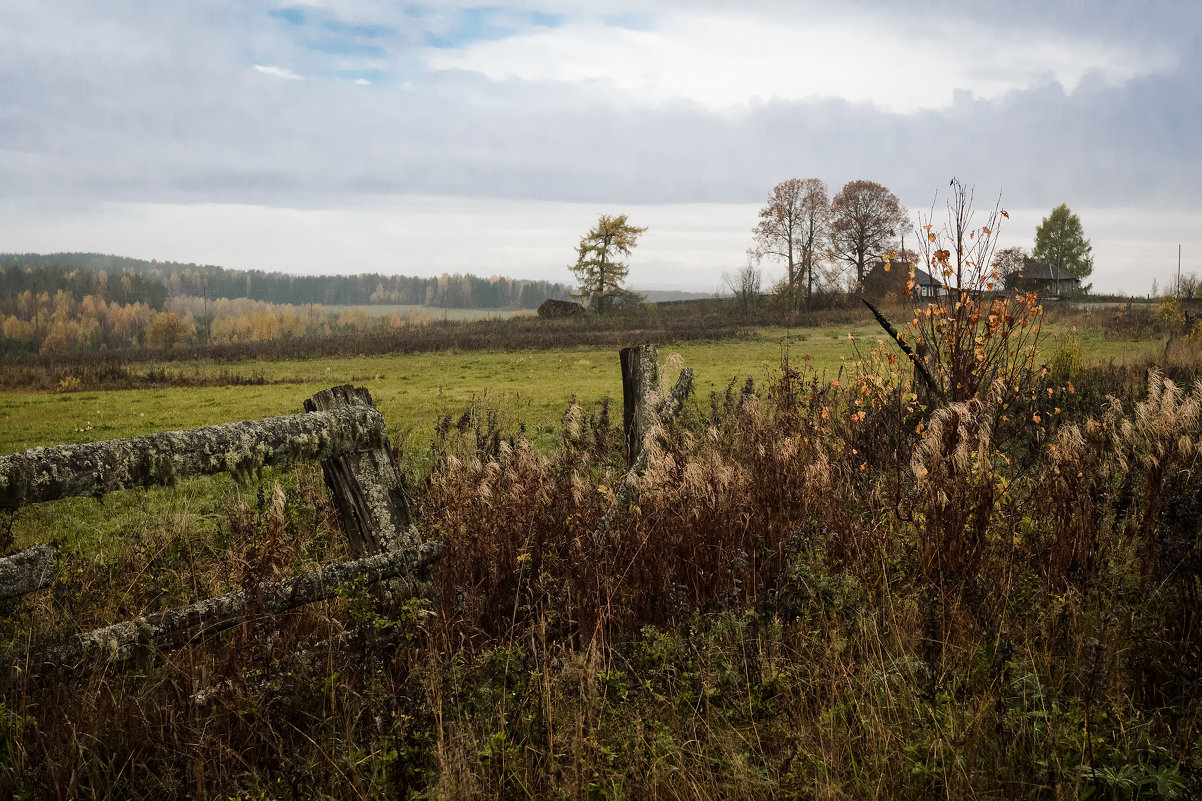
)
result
[(1041, 271), (923, 278)]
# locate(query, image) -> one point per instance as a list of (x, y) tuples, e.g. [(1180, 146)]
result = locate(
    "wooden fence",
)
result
[(342, 429)]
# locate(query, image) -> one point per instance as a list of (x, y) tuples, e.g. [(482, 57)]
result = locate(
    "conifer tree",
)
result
[(599, 267)]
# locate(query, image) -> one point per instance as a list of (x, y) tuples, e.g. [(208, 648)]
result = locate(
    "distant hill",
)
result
[(130, 280)]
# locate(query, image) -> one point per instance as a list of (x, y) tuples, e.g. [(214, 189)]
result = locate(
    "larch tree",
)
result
[(791, 230), (865, 216), (600, 268), (1060, 243)]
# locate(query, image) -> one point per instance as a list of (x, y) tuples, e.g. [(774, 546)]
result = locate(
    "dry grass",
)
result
[(811, 599)]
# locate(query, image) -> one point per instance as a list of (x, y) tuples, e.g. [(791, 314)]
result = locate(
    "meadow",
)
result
[(410, 311), (414, 389), (824, 590)]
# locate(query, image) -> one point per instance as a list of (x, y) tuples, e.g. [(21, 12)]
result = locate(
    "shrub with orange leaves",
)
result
[(973, 333)]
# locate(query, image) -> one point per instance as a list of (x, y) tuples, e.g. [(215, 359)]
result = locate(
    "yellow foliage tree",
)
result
[(169, 330)]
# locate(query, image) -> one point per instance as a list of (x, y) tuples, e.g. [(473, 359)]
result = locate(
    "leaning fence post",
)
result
[(640, 377), (366, 486)]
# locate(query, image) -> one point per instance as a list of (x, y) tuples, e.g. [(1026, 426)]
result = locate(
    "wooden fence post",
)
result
[(366, 486), (640, 378)]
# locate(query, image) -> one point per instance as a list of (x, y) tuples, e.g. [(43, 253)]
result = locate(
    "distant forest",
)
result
[(128, 280)]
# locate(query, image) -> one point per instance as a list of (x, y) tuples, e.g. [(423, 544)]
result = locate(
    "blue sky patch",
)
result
[(345, 47), (473, 25), (365, 31), (293, 16), (546, 20)]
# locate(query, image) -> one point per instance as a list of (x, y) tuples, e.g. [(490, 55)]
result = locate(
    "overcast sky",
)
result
[(362, 135)]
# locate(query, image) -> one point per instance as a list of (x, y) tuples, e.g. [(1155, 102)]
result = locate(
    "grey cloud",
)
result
[(164, 105)]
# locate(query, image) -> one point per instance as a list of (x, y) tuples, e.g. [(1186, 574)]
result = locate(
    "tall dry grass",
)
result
[(811, 597)]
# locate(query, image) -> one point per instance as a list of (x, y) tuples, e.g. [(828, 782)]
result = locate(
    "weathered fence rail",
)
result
[(174, 628), (343, 430), (97, 468), (26, 572)]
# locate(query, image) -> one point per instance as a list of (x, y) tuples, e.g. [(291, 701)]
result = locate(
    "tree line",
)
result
[(129, 280), (845, 241)]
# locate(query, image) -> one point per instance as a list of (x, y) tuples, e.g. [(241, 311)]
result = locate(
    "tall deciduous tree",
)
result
[(1009, 263), (1060, 243), (865, 217), (792, 228), (599, 267)]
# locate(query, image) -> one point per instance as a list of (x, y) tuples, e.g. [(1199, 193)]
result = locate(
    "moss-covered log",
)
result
[(26, 572), (96, 468), (174, 628)]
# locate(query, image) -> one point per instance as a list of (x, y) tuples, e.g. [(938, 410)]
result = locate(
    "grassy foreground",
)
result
[(805, 602)]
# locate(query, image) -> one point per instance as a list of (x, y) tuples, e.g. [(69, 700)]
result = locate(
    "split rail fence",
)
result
[(342, 429)]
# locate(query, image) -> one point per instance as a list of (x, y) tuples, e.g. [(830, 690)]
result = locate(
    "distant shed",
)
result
[(559, 308)]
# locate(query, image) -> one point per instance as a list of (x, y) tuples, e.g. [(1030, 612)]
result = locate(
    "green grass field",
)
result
[(432, 312), (413, 390), (754, 627)]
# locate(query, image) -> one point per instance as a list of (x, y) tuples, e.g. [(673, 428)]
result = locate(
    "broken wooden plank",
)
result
[(177, 627), (367, 488), (97, 468), (26, 572)]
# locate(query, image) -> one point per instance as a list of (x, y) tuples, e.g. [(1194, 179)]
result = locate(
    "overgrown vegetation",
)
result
[(768, 623), (983, 587)]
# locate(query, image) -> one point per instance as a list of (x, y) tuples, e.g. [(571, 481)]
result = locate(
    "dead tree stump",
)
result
[(367, 488)]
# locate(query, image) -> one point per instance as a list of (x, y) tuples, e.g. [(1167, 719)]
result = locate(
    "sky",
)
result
[(346, 136)]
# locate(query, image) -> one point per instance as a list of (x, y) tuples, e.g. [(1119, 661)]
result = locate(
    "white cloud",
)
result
[(724, 61), (279, 72)]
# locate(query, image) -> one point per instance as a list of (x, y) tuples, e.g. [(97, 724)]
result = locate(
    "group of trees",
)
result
[(818, 238), (821, 242), (824, 243), (58, 324), (150, 282)]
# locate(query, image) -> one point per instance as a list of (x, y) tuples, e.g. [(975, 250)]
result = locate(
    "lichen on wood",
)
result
[(368, 489), (177, 627), (97, 468), (26, 572)]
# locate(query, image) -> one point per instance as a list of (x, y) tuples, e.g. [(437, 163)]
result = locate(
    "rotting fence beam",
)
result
[(26, 572), (177, 627), (96, 468)]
